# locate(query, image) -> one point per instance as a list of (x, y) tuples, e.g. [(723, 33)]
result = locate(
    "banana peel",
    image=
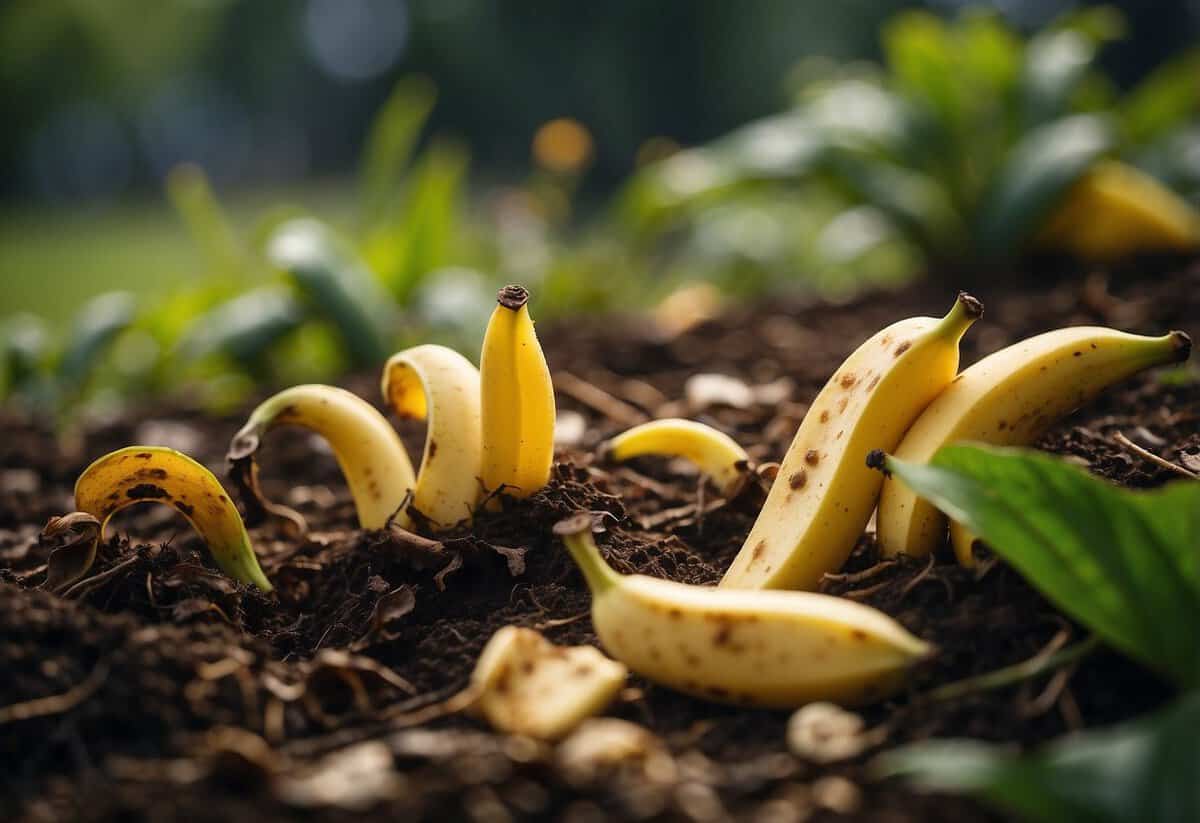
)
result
[(1115, 210)]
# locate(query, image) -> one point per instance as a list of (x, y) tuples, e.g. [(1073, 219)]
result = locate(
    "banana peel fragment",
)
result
[(368, 450), (437, 384), (527, 685), (154, 474)]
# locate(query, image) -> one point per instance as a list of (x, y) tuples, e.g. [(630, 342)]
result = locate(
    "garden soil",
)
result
[(158, 689)]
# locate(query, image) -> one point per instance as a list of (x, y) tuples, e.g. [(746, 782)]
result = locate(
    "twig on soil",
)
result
[(58, 703), (912, 584), (560, 621), (1042, 662), (598, 399), (1145, 454), (860, 576), (96, 579)]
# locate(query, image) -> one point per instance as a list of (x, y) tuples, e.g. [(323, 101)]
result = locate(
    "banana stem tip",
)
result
[(972, 306), (513, 296), (1183, 345), (877, 459)]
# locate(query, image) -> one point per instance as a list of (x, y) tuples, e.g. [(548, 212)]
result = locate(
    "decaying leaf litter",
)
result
[(175, 681)]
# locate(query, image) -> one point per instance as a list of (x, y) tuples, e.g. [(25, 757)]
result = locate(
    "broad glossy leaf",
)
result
[(1034, 176), (1126, 564), (337, 285), (1148, 770)]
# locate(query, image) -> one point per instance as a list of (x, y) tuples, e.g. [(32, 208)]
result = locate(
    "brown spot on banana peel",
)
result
[(812, 457), (903, 347), (825, 416), (848, 380), (797, 479), (147, 491)]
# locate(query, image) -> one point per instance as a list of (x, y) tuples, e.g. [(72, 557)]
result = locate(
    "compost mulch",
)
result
[(166, 691)]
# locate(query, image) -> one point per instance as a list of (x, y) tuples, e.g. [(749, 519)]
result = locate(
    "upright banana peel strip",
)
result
[(368, 450), (153, 474), (760, 648), (824, 493), (1010, 398), (715, 453), (438, 384), (517, 400)]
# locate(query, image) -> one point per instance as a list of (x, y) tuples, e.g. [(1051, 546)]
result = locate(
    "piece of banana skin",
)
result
[(775, 649)]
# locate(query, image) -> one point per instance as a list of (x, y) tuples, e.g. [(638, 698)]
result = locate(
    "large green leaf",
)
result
[(1034, 177), (337, 285), (1126, 564), (1148, 770), (390, 144)]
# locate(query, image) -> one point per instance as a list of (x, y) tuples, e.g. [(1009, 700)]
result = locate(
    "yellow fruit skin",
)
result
[(1114, 211), (715, 453), (368, 450), (527, 685), (772, 649), (1010, 398), (518, 400), (824, 493), (775, 649), (153, 474), (439, 384)]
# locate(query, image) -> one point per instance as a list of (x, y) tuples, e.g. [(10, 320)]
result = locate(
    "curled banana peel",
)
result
[(776, 649), (715, 453), (1009, 398), (527, 685), (517, 400), (439, 385), (368, 450), (153, 474), (1115, 210), (823, 495)]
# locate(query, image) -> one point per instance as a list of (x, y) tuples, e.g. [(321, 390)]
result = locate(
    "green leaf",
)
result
[(390, 144), (95, 327), (427, 232), (1165, 100), (244, 327), (192, 196), (1126, 564), (1147, 770), (1034, 177), (337, 285), (1056, 62)]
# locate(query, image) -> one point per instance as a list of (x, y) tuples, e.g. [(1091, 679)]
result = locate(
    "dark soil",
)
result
[(185, 696)]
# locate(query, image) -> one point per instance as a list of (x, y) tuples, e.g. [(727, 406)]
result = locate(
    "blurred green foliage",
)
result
[(954, 151)]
